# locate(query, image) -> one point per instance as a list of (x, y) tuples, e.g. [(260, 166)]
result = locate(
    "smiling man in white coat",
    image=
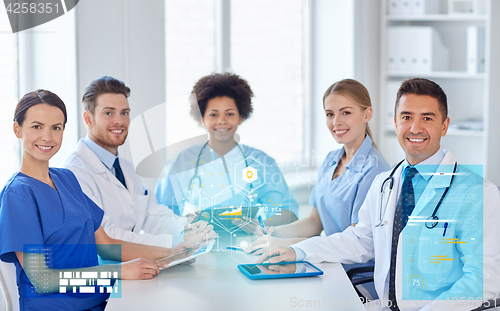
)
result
[(434, 233), (111, 181)]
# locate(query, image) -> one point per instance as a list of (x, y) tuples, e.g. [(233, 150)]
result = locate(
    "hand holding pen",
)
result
[(262, 230), (261, 223)]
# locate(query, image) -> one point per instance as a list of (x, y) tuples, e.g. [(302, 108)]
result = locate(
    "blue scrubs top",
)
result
[(33, 214), (338, 201), (200, 177)]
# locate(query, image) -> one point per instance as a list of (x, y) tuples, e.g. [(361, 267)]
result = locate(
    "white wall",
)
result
[(9, 93), (124, 39), (47, 60), (133, 46), (493, 130), (332, 60), (367, 53)]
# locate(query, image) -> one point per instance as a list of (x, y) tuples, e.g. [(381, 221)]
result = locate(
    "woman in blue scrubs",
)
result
[(344, 177), (221, 172), (48, 226)]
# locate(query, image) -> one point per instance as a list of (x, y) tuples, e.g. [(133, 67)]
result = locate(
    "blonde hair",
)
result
[(356, 92)]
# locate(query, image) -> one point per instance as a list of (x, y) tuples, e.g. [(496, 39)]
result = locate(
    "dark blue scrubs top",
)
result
[(35, 215)]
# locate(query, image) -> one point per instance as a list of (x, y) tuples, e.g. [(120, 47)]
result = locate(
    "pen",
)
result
[(261, 223), (445, 226), (235, 248)]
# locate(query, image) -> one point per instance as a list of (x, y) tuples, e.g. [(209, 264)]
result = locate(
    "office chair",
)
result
[(8, 286), (351, 273), (488, 304)]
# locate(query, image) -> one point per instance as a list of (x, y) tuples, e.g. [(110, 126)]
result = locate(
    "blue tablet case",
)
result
[(278, 276)]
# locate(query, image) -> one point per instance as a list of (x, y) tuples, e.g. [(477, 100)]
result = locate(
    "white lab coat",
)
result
[(129, 210), (365, 241)]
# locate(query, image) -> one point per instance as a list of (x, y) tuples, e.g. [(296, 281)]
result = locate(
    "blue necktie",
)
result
[(405, 206), (119, 172)]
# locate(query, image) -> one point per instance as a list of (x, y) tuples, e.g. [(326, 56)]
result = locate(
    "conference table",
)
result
[(214, 282)]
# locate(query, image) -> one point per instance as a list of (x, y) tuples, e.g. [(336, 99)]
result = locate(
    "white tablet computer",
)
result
[(202, 250)]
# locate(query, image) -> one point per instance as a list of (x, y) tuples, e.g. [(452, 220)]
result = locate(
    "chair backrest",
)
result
[(8, 286)]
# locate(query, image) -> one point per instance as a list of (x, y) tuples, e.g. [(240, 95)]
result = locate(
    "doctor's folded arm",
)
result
[(131, 211), (430, 223)]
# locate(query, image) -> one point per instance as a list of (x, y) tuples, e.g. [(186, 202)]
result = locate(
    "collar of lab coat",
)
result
[(445, 166), (429, 166), (106, 157), (440, 179), (91, 158)]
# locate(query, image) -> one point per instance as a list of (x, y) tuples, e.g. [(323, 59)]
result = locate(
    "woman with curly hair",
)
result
[(222, 173)]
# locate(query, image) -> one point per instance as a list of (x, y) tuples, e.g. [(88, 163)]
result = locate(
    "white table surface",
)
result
[(215, 283)]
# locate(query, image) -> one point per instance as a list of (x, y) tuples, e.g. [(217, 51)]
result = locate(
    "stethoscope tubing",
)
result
[(432, 220), (198, 164), (389, 179)]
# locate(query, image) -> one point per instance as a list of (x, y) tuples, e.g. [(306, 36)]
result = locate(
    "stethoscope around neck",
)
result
[(198, 178), (431, 221)]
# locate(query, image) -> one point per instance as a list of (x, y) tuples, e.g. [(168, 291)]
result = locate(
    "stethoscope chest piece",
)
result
[(431, 222)]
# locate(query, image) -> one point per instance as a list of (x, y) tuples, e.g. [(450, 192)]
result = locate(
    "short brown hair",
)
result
[(102, 85), (35, 98), (218, 85), (419, 86)]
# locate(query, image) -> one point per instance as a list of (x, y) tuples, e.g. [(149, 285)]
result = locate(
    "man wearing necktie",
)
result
[(428, 239), (131, 211), (118, 172)]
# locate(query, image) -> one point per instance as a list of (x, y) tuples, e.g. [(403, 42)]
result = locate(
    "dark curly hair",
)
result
[(218, 85)]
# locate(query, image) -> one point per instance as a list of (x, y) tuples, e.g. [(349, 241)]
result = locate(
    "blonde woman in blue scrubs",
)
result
[(344, 177)]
